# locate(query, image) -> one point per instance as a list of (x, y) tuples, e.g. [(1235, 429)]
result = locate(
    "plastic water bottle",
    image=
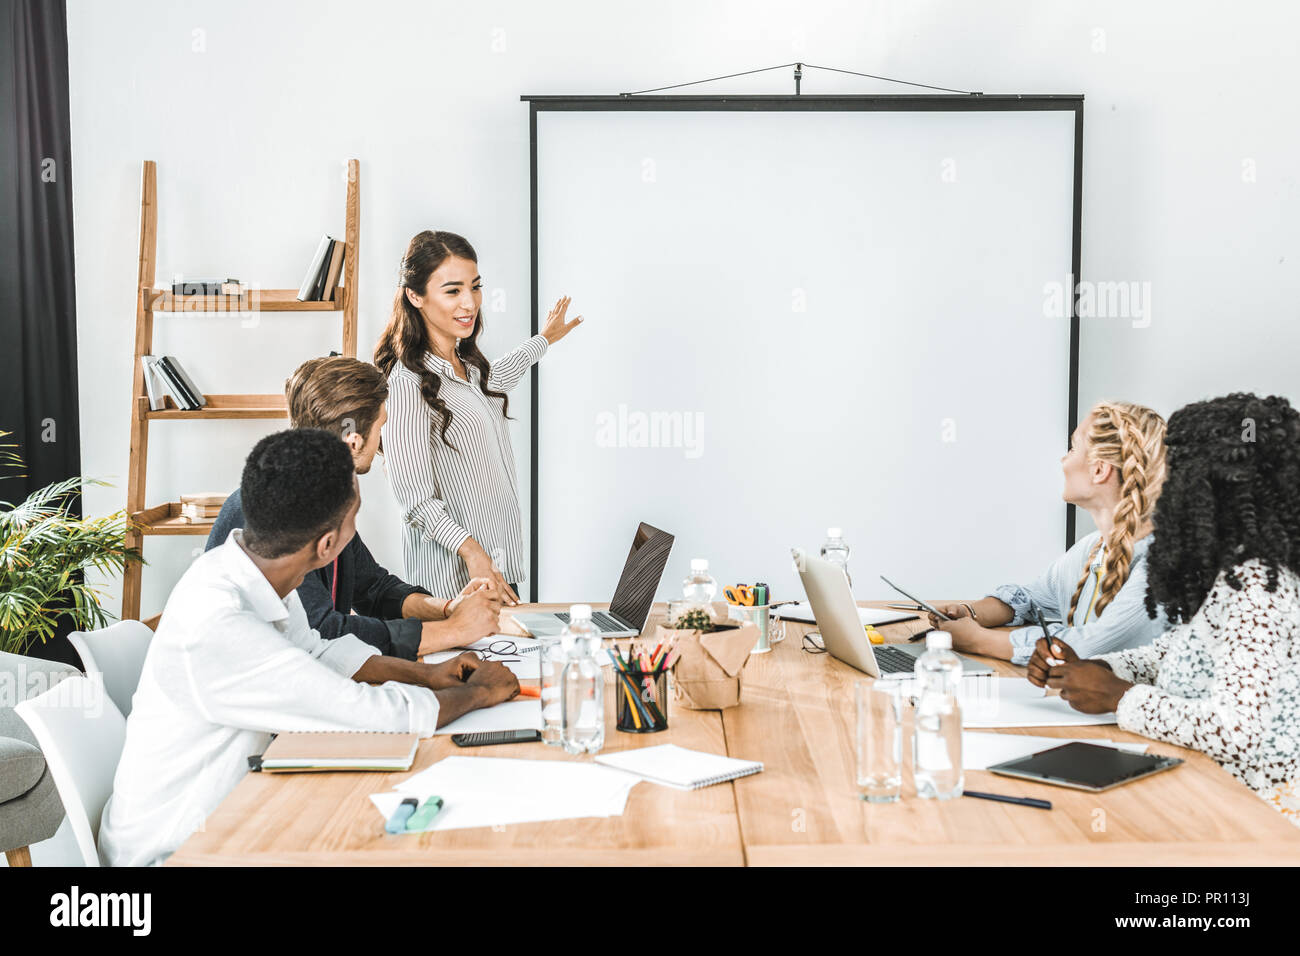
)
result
[(936, 746), (582, 685), (699, 587), (836, 551), (551, 651)]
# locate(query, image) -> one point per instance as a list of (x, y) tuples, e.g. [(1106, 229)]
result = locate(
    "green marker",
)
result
[(422, 817)]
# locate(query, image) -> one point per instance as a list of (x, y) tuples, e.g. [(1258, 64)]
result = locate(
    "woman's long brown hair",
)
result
[(406, 338)]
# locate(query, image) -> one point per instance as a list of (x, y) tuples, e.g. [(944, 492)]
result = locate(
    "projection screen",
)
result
[(856, 312)]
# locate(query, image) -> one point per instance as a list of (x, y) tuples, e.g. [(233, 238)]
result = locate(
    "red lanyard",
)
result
[(334, 585)]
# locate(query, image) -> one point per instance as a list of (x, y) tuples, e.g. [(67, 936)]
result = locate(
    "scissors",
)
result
[(741, 595)]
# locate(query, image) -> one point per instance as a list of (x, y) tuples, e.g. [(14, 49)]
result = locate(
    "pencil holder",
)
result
[(640, 701), (760, 616)]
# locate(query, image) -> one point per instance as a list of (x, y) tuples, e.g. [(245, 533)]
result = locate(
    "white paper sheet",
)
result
[(498, 791), (523, 666), (981, 751), (525, 663), (990, 702), (519, 714), (1014, 702)]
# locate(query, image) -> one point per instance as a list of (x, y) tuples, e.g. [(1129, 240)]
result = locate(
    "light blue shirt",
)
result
[(1122, 624)]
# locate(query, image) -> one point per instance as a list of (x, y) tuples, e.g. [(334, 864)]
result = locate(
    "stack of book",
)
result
[(163, 376), (184, 286), (202, 507), (322, 279)]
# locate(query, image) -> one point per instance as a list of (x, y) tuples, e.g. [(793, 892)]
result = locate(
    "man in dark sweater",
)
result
[(355, 595)]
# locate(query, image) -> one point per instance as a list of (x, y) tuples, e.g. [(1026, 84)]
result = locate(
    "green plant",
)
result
[(44, 552), (696, 619)]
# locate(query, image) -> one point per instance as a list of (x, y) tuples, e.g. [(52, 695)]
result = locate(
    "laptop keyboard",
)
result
[(602, 621), (891, 660)]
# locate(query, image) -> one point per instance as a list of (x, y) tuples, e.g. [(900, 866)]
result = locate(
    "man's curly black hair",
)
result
[(1232, 493), (296, 486)]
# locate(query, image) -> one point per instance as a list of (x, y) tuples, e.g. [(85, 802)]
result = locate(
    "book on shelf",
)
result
[(314, 280), (332, 273), (184, 286), (318, 291), (152, 387), (217, 498), (196, 514), (163, 385), (200, 507), (180, 385)]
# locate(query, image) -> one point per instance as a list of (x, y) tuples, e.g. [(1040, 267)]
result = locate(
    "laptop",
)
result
[(630, 606), (841, 629)]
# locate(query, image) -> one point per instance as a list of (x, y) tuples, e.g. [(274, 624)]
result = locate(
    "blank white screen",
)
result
[(852, 304)]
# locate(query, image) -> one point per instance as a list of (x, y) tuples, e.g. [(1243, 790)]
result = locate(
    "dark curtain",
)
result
[(38, 309)]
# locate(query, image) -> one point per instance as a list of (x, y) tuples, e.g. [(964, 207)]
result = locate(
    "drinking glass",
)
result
[(879, 740)]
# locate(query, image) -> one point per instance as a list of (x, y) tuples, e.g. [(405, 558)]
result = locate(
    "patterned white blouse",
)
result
[(1227, 683)]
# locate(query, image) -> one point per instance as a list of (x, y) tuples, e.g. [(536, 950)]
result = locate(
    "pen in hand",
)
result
[(1051, 661)]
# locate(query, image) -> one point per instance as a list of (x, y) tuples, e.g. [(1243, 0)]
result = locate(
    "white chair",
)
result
[(81, 732), (117, 652)]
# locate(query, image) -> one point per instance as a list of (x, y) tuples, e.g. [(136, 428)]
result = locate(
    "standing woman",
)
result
[(446, 442)]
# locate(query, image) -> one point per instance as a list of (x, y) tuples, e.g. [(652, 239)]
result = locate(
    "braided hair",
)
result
[(1233, 495), (406, 339), (1132, 439)]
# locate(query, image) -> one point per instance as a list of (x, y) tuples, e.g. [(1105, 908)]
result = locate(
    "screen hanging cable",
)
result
[(799, 67)]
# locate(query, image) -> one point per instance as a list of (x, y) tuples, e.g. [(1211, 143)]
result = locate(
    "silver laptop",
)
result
[(841, 629), (630, 606)]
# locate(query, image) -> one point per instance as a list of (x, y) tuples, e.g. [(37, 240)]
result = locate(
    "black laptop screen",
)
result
[(640, 579)]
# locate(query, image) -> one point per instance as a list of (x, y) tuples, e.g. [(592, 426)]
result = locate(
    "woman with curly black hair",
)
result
[(1225, 679)]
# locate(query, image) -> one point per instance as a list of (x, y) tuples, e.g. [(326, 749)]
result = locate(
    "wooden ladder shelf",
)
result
[(166, 518)]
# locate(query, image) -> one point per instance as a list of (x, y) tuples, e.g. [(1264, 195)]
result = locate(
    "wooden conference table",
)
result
[(796, 716)]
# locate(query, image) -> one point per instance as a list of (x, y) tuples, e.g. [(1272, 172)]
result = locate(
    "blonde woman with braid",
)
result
[(1093, 595)]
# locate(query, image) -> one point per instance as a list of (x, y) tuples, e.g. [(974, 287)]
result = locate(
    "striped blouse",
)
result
[(449, 493)]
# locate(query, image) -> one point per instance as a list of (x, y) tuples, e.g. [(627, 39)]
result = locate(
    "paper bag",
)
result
[(709, 667)]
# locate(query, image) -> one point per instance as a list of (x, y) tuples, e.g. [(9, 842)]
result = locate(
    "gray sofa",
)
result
[(30, 810)]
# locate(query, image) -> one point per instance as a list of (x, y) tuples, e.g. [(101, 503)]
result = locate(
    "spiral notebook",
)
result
[(678, 767), (339, 750)]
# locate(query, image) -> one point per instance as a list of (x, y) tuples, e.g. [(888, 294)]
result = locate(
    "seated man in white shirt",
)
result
[(234, 660)]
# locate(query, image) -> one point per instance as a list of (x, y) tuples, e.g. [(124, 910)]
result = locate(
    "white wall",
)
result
[(1182, 100)]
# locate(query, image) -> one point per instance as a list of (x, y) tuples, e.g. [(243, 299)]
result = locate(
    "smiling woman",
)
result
[(446, 443)]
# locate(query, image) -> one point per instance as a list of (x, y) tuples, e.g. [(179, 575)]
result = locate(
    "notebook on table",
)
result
[(678, 767), (338, 750)]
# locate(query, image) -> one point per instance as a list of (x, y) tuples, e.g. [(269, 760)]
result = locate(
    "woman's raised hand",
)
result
[(556, 328)]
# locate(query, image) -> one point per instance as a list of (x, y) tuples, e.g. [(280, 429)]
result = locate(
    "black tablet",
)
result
[(1085, 766)]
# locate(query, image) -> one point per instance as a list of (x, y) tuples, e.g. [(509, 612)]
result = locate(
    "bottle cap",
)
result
[(580, 611), (939, 639), (834, 533), (699, 564)]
